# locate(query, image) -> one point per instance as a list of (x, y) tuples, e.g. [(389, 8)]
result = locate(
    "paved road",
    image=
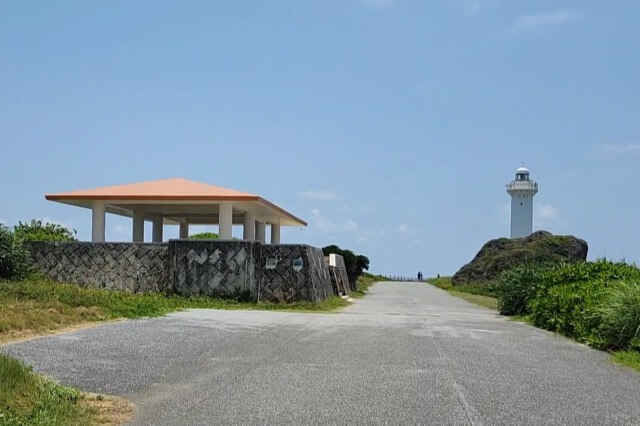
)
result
[(407, 353)]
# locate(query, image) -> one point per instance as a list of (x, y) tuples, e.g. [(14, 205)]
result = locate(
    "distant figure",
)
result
[(438, 275), (419, 276)]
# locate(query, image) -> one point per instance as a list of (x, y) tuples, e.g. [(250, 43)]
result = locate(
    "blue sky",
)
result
[(392, 126)]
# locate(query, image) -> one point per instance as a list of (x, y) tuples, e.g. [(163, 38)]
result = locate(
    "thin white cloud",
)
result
[(365, 208), (546, 212), (542, 20), (633, 148), (403, 228), (350, 226), (365, 235), (322, 195), (377, 4), (320, 222)]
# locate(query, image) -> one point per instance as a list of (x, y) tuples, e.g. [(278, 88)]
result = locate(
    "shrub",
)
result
[(619, 317), (204, 236), (568, 308), (37, 230), (355, 264), (595, 302), (570, 295), (516, 288), (522, 284), (13, 256)]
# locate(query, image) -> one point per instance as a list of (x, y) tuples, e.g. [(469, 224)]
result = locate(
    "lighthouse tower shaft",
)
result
[(522, 189)]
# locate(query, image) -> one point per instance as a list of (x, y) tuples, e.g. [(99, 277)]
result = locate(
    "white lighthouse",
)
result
[(522, 189)]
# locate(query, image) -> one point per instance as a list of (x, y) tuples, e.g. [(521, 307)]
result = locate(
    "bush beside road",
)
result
[(597, 303)]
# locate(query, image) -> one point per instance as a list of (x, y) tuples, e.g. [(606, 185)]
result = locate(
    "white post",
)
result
[(249, 229), (157, 229), (98, 209), (275, 233), (138, 226), (184, 230), (260, 232), (225, 220)]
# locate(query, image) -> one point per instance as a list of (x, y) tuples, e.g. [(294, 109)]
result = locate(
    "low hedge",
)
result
[(594, 302)]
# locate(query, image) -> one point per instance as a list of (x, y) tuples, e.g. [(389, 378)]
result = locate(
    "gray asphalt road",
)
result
[(405, 354)]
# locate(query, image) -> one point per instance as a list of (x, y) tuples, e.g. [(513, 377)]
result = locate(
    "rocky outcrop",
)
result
[(503, 254)]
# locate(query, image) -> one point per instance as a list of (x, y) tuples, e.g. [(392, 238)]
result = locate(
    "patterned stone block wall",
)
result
[(214, 268), (291, 272), (133, 267), (237, 269), (338, 274)]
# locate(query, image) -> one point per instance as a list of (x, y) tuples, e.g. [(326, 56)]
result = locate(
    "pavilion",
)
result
[(180, 202)]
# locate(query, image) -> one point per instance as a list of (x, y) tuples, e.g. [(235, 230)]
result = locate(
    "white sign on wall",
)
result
[(297, 264), (333, 260), (271, 263)]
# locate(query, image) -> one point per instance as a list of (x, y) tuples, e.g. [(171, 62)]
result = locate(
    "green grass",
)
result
[(630, 359), (482, 295), (26, 398), (363, 283), (37, 305), (477, 299), (440, 282)]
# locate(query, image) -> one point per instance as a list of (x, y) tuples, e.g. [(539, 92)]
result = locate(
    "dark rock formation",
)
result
[(503, 254)]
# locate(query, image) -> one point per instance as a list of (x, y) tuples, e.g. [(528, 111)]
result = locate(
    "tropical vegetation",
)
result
[(355, 264)]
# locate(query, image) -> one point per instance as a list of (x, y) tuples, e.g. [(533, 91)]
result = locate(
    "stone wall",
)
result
[(214, 268), (133, 267), (338, 273), (236, 269), (293, 272)]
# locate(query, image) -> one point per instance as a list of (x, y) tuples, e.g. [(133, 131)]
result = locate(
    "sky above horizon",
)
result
[(391, 126)]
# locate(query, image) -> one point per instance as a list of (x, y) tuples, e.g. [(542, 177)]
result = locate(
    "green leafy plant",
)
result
[(516, 288), (37, 230), (594, 302), (568, 308), (204, 236), (13, 256), (619, 316), (355, 264), (26, 398)]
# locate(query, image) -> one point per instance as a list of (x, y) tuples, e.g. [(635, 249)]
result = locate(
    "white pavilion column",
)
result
[(275, 233), (138, 226), (184, 230), (98, 209), (249, 229), (157, 229), (225, 221), (260, 234)]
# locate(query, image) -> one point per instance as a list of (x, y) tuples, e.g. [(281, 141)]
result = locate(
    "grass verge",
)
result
[(477, 299), (479, 295), (629, 359), (36, 306), (363, 283), (29, 399)]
